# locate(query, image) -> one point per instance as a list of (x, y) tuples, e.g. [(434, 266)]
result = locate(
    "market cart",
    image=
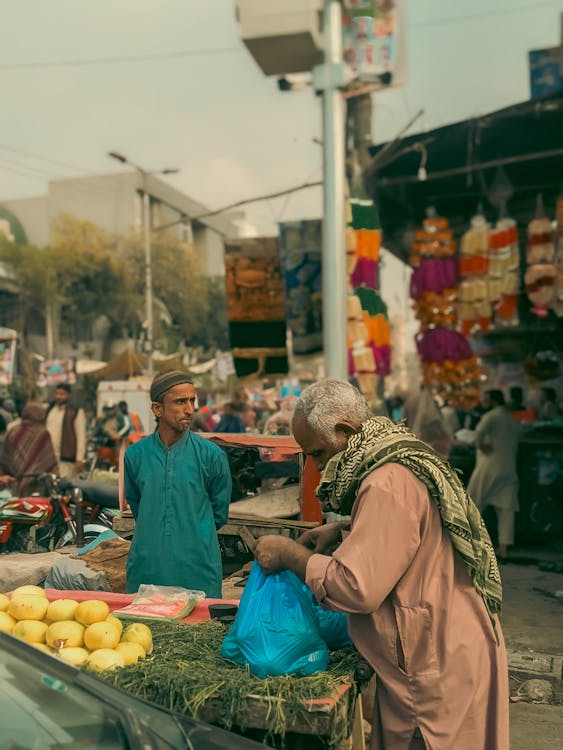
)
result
[(335, 718)]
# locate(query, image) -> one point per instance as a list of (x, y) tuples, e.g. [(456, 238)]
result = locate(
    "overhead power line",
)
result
[(116, 60), (238, 204), (40, 157)]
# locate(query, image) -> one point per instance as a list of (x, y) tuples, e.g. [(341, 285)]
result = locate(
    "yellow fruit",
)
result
[(28, 607), (131, 652), (7, 622), (29, 591), (31, 631), (74, 655), (101, 635), (61, 609), (105, 658), (65, 634), (139, 633), (116, 622), (4, 603), (91, 611)]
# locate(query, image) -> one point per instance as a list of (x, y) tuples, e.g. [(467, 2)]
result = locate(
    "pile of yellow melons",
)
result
[(84, 634)]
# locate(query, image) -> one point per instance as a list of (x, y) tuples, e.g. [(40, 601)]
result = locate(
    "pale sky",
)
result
[(209, 110)]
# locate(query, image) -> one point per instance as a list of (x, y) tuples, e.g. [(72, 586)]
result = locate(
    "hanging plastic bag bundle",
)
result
[(276, 630)]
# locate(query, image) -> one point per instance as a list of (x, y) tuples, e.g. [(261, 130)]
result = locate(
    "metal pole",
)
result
[(148, 273), (334, 221)]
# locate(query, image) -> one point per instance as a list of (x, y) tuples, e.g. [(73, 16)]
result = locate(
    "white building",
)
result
[(114, 203)]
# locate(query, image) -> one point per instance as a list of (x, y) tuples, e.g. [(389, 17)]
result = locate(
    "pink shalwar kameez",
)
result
[(417, 619)]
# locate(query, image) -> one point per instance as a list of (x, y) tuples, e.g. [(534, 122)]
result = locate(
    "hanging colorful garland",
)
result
[(449, 367), (503, 278), (474, 307), (540, 278), (369, 333)]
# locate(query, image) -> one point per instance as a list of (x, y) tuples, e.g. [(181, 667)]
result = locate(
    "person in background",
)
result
[(126, 423), (230, 420), (416, 574), (249, 420), (548, 409), (473, 416), (517, 407), (178, 486), (279, 423), (494, 480), (450, 418), (28, 450), (67, 426), (424, 418), (396, 406), (7, 411)]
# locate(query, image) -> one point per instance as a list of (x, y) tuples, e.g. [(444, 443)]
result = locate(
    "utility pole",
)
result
[(148, 275), (329, 79), (149, 342)]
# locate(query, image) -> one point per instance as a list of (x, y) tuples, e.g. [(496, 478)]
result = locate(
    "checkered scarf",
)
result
[(380, 441)]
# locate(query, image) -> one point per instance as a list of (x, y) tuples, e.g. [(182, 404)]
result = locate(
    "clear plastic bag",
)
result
[(276, 630), (165, 603)]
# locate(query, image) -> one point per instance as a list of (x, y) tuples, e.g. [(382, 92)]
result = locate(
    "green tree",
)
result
[(92, 279), (33, 276), (195, 303)]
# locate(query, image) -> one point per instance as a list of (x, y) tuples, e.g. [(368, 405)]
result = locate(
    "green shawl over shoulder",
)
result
[(380, 441)]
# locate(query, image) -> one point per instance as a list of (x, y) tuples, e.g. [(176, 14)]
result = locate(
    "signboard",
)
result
[(55, 372), (8, 339), (372, 40), (546, 71)]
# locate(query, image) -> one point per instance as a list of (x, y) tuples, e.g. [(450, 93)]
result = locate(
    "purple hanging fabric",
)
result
[(365, 274)]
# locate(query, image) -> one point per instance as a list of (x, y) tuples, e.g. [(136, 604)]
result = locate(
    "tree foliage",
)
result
[(92, 279), (33, 275), (195, 303), (85, 273)]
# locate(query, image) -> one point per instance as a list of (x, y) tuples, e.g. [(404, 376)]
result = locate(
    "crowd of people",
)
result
[(53, 437)]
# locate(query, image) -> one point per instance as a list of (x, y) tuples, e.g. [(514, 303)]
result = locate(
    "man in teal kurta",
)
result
[(178, 486)]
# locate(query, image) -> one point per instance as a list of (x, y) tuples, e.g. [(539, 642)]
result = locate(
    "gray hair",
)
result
[(326, 403)]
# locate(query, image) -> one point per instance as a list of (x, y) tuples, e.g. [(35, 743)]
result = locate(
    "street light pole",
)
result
[(148, 274), (329, 79), (149, 345)]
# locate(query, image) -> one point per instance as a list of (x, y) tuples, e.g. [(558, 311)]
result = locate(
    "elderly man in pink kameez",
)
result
[(416, 574)]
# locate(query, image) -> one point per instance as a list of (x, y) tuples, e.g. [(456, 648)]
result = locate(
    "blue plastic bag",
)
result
[(333, 627), (276, 630)]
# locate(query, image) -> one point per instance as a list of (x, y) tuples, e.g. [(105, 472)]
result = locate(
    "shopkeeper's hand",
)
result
[(323, 538), (275, 553)]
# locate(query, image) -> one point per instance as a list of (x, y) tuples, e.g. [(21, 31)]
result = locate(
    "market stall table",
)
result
[(337, 715)]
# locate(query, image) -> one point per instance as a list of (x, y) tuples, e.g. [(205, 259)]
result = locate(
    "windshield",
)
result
[(38, 711)]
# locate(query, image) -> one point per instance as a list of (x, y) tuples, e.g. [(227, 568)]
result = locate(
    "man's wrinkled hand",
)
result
[(322, 538), (270, 553)]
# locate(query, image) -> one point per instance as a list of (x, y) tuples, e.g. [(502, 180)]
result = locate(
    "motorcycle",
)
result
[(54, 519), (93, 506)]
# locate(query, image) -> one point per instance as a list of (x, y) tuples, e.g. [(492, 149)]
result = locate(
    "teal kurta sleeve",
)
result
[(220, 486), (183, 497)]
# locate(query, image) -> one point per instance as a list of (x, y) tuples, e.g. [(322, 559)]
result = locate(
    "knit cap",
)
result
[(166, 380)]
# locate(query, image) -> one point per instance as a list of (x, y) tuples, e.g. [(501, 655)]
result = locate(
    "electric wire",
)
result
[(45, 64)]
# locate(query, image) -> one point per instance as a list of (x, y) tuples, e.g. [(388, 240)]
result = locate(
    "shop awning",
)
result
[(511, 154)]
